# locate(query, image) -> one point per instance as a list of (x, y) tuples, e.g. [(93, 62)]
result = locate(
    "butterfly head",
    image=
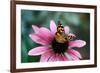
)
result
[(60, 28)]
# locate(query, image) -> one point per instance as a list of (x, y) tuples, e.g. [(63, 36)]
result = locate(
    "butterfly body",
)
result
[(60, 35)]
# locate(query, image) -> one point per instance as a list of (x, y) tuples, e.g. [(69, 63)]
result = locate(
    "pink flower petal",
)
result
[(74, 52), (36, 38), (35, 28), (68, 56), (46, 33), (60, 57), (74, 57), (77, 43), (64, 58), (52, 58), (66, 28), (38, 50), (53, 27), (45, 56)]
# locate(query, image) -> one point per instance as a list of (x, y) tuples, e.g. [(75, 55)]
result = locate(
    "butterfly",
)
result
[(60, 35)]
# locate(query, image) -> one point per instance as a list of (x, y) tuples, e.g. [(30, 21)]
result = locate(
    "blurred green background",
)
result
[(79, 24)]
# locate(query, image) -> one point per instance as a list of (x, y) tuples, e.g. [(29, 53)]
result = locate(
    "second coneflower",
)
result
[(56, 43)]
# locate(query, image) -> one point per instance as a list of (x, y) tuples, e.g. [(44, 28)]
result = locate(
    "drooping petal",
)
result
[(36, 38), (35, 28), (77, 43), (53, 27), (68, 56), (74, 57), (45, 56), (52, 58), (74, 52), (66, 28), (64, 58), (60, 57), (57, 57), (38, 50)]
